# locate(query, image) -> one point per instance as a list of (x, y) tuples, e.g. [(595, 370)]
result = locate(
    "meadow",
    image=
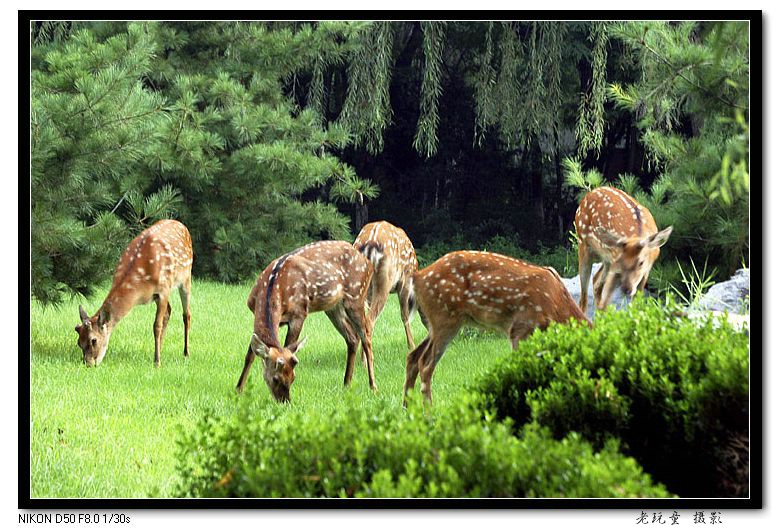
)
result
[(111, 431)]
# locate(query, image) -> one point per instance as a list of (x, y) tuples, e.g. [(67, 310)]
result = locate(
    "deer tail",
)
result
[(373, 252)]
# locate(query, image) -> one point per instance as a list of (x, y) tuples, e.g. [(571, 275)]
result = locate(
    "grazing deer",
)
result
[(154, 263), (329, 276), (395, 262), (492, 290), (615, 229)]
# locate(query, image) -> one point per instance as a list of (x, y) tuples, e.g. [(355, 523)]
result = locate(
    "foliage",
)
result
[(563, 259), (92, 125), (581, 181), (366, 110), (140, 411), (696, 283), (517, 88), (455, 451), (135, 122), (426, 137), (690, 105), (590, 121), (271, 133), (670, 389)]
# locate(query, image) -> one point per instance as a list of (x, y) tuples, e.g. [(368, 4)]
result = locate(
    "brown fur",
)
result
[(329, 276), (612, 227), (498, 292), (394, 267), (157, 261)]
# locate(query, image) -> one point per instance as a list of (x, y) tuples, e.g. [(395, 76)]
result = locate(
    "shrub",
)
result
[(379, 450), (563, 259), (673, 391)]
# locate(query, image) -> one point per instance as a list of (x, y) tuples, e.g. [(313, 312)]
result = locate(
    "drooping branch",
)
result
[(426, 136)]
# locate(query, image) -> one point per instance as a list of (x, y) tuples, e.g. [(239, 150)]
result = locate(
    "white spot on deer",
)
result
[(538, 308)]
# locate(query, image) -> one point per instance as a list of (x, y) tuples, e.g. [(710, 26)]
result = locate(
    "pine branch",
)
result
[(693, 83)]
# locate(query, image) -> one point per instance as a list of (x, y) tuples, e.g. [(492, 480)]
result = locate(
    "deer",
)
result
[(491, 290), (615, 229), (156, 262), (391, 253), (329, 276)]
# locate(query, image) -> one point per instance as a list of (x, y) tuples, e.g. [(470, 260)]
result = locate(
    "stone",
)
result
[(728, 296), (573, 286)]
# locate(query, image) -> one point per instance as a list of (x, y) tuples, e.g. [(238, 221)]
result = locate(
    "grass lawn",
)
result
[(112, 431)]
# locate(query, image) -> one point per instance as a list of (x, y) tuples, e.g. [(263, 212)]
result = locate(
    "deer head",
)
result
[(635, 255), (94, 334), (278, 365)]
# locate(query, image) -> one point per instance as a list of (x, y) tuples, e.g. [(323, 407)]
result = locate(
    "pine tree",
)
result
[(92, 123), (257, 172), (135, 122), (691, 104)]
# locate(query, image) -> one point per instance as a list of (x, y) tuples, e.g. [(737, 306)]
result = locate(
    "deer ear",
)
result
[(259, 347), (659, 239), (78, 328), (83, 314), (297, 346), (608, 237), (104, 316)]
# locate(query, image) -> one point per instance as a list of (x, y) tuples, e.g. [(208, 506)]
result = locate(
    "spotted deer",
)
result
[(329, 276), (494, 291), (157, 261), (612, 227), (395, 262)]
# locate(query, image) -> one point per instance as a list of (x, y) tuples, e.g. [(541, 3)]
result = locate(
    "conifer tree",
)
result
[(691, 105), (257, 172), (134, 122), (92, 124)]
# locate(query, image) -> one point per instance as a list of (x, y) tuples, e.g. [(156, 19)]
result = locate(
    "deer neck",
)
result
[(267, 319), (117, 306)]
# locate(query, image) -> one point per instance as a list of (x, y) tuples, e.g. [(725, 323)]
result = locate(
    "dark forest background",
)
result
[(264, 136)]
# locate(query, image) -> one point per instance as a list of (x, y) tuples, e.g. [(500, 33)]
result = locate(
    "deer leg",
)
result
[(184, 293), (423, 318), (413, 365), (610, 284), (379, 292), (160, 322), (598, 282), (294, 328), (432, 356), (250, 357), (339, 320), (443, 328), (643, 282), (404, 298), (357, 318), (585, 263), (520, 331)]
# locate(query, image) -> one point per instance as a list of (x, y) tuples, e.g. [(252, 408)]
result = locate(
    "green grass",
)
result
[(111, 431)]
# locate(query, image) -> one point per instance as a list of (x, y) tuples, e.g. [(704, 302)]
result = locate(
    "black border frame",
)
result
[(757, 372)]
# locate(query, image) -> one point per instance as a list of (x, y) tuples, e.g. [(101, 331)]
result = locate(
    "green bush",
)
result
[(381, 450), (673, 391)]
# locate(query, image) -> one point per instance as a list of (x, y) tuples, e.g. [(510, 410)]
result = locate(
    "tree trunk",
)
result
[(558, 190), (537, 197), (361, 215)]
